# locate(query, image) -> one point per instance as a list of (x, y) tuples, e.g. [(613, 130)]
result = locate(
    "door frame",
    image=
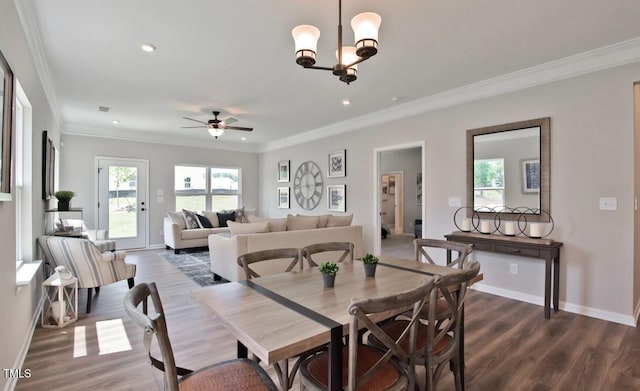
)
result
[(145, 163), (377, 189)]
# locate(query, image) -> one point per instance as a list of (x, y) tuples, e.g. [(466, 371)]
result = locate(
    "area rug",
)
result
[(194, 265)]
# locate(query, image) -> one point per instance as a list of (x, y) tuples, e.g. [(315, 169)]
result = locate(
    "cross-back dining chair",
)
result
[(425, 248), (312, 250), (238, 374), (438, 339), (391, 367), (248, 259)]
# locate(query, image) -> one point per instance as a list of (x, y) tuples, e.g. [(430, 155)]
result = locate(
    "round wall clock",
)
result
[(307, 185)]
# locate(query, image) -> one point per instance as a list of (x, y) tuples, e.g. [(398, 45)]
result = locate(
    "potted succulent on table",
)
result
[(370, 262), (64, 199), (328, 270)]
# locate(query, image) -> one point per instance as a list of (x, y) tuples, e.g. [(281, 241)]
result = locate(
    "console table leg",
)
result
[(547, 289), (556, 283)]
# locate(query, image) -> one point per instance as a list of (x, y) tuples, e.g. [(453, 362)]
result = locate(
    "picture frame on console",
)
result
[(284, 200), (337, 164), (6, 131), (284, 167), (337, 198)]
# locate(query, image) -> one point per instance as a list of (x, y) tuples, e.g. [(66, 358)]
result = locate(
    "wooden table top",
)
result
[(274, 332)]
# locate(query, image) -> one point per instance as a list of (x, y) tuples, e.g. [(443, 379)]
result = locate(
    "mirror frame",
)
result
[(545, 169)]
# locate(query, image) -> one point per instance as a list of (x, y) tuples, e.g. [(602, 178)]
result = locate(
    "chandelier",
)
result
[(365, 29)]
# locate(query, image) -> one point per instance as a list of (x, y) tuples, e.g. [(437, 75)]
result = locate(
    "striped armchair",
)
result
[(92, 268)]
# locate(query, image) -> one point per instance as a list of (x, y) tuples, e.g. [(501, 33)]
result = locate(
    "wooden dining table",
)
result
[(280, 316)]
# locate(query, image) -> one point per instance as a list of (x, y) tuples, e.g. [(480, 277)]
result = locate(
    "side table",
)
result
[(60, 306)]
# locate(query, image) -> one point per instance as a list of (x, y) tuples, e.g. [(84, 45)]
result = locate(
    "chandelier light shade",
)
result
[(216, 132), (365, 30)]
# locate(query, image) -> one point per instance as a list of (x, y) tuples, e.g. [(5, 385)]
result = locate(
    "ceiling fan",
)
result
[(215, 126)]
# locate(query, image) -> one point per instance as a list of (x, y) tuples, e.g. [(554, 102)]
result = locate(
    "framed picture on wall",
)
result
[(392, 185), (419, 188), (6, 126), (48, 166), (283, 198), (531, 176), (337, 164), (283, 171), (337, 198)]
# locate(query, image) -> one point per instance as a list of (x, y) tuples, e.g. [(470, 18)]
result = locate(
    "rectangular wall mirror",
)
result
[(508, 170)]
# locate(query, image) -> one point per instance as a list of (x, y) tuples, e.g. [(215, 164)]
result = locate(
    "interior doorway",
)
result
[(398, 197)]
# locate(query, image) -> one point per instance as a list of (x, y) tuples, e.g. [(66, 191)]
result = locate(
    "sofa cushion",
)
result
[(339, 221), (250, 212), (295, 223), (277, 225), (176, 218), (224, 217), (248, 228), (322, 219), (190, 218), (213, 218), (204, 222)]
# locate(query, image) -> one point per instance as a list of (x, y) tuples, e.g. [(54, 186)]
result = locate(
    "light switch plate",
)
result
[(455, 201), (608, 203), (160, 192)]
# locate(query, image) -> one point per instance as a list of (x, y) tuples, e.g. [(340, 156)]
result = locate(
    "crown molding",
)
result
[(29, 23), (610, 56), (137, 136)]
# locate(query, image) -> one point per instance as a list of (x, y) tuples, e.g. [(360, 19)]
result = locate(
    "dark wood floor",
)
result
[(509, 344)]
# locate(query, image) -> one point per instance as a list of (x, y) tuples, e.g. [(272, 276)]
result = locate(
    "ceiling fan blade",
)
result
[(191, 119), (236, 128), (229, 120), (189, 127)]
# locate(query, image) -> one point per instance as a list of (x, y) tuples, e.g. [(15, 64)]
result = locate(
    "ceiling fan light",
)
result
[(306, 43), (216, 132), (365, 30)]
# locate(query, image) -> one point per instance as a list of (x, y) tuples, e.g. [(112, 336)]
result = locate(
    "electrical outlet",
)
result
[(513, 268), (455, 201), (608, 203)]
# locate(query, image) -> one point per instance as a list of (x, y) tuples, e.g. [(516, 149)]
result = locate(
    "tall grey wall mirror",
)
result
[(508, 170)]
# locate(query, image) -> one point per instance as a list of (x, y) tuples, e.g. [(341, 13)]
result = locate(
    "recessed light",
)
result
[(244, 139), (395, 98), (346, 102), (147, 47), (115, 122)]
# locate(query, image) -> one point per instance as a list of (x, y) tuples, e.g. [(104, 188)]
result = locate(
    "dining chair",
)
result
[(312, 250), (238, 374), (391, 367), (438, 339), (425, 248), (248, 259)]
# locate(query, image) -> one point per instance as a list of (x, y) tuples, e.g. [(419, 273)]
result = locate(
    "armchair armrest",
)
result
[(113, 256)]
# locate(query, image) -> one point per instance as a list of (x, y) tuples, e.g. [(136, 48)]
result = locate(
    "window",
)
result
[(488, 183), (207, 188), (23, 180)]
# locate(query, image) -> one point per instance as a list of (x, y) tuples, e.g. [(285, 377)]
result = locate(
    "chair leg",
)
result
[(130, 282), (89, 294), (97, 290)]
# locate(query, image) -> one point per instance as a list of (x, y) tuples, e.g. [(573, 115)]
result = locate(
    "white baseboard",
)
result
[(569, 307), (10, 385)]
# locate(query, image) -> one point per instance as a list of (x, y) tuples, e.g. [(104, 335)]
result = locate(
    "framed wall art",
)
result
[(337, 164), (283, 170), (284, 201), (6, 131), (48, 166), (337, 198), (419, 188), (531, 176)]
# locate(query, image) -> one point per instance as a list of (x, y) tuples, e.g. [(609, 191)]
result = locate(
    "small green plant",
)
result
[(329, 268), (64, 195), (369, 259)]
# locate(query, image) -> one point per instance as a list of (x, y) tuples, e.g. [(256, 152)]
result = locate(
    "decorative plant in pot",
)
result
[(328, 270), (370, 262), (64, 199)]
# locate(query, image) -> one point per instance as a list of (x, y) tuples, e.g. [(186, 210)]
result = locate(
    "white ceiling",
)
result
[(237, 56)]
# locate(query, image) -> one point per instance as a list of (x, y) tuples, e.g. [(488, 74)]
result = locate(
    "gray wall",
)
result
[(591, 156), (78, 172), (408, 161)]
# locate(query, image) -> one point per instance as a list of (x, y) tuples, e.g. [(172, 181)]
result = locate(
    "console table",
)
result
[(546, 249)]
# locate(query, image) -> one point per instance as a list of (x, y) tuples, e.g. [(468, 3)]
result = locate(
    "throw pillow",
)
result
[(247, 228), (339, 221), (277, 225), (204, 222), (322, 220), (176, 218), (256, 219), (241, 217), (250, 212), (295, 223), (213, 218), (223, 218), (190, 218)]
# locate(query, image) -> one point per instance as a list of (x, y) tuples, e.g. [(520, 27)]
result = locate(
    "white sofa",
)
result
[(224, 250), (179, 239)]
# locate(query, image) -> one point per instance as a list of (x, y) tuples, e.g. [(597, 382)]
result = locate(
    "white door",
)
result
[(122, 201)]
